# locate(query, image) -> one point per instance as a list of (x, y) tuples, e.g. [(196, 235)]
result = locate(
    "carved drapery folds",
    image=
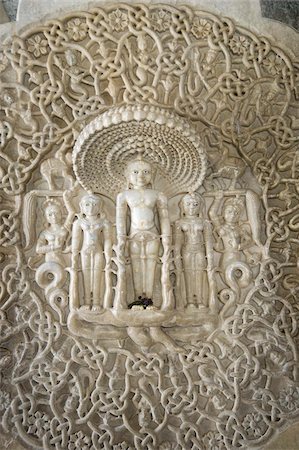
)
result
[(149, 232)]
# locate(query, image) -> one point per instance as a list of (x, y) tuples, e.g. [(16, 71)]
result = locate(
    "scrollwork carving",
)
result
[(211, 110)]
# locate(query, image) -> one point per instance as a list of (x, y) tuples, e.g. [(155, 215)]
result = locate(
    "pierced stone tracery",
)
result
[(227, 378)]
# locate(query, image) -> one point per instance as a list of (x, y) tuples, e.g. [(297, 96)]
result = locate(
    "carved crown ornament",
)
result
[(149, 232)]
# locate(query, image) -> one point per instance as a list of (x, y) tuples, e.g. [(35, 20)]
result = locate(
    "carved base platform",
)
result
[(112, 324), (147, 318)]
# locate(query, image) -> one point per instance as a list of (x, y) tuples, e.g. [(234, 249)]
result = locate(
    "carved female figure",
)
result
[(51, 240), (235, 244), (193, 250), (142, 202), (233, 237), (91, 252)]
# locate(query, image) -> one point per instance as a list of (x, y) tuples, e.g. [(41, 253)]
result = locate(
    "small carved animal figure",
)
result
[(231, 167), (53, 167)]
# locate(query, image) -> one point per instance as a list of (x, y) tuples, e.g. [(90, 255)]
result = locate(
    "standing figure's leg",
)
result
[(168, 302), (199, 286), (190, 280), (135, 254), (86, 272), (98, 280), (200, 276), (152, 253)]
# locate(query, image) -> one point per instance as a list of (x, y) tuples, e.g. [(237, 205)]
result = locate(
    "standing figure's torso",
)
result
[(193, 233), (142, 204), (92, 235)]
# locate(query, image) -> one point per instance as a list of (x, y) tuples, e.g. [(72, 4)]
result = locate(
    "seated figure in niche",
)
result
[(193, 251), (52, 240), (140, 203), (91, 254)]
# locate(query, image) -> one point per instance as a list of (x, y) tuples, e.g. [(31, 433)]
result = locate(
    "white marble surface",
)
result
[(204, 106), (246, 12)]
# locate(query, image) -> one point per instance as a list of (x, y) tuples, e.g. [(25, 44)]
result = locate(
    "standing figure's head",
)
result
[(53, 213), (232, 210), (192, 205), (139, 173), (91, 205)]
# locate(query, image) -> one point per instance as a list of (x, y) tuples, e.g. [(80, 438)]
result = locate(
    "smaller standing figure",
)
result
[(51, 240), (193, 251), (91, 254)]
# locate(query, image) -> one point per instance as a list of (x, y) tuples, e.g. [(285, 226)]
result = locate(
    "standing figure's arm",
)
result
[(178, 242), (107, 243), (208, 238), (76, 243), (216, 219), (108, 257), (121, 223), (215, 209), (162, 206), (168, 301)]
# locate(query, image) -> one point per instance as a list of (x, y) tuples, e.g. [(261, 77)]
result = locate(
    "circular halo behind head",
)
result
[(165, 140)]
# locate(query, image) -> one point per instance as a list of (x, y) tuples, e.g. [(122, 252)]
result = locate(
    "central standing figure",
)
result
[(140, 203)]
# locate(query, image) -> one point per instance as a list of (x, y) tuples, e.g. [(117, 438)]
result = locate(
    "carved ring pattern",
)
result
[(232, 384), (107, 144)]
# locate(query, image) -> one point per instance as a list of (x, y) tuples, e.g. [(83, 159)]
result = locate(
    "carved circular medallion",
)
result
[(108, 143)]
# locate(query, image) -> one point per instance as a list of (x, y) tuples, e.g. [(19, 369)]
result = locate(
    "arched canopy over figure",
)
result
[(91, 253), (193, 251), (51, 240), (140, 202)]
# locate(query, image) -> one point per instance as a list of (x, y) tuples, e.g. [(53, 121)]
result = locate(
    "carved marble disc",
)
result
[(108, 143)]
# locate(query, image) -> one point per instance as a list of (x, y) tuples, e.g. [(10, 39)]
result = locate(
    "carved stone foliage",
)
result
[(147, 151)]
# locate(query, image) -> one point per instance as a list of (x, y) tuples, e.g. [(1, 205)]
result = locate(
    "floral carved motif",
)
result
[(211, 364)]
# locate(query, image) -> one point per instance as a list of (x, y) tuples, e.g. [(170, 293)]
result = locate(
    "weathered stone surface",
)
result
[(148, 232)]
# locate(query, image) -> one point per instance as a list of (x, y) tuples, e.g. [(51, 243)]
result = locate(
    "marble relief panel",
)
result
[(149, 232)]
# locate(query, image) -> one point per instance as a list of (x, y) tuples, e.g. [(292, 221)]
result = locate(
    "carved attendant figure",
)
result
[(92, 246), (233, 237), (51, 240), (142, 202), (193, 250)]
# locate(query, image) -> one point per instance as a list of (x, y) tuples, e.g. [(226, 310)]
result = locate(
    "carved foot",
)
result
[(191, 306), (97, 308), (85, 307), (137, 308), (152, 308)]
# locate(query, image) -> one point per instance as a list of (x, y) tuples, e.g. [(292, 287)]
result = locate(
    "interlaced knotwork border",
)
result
[(235, 388)]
